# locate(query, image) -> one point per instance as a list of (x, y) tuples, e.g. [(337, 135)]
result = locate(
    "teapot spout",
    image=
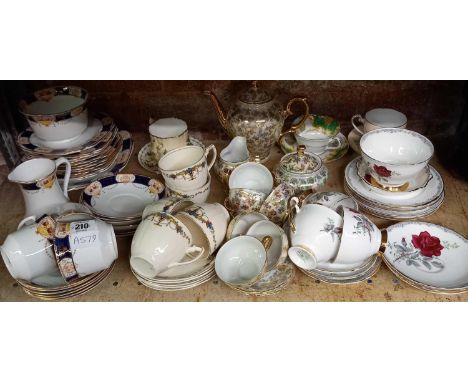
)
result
[(222, 117)]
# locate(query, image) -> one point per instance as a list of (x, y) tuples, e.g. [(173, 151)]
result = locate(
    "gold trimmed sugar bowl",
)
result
[(301, 170)]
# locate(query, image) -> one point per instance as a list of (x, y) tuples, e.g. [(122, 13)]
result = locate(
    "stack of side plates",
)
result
[(344, 274), (120, 199), (53, 287), (181, 278), (421, 198), (101, 149)]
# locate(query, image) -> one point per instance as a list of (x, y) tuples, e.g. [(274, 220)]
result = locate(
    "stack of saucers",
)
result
[(53, 287), (393, 179), (120, 199), (100, 149), (340, 245)]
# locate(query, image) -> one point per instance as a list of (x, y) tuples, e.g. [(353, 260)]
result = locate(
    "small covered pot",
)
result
[(301, 170)]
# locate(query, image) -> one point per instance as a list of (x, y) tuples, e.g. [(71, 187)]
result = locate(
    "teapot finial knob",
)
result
[(300, 150)]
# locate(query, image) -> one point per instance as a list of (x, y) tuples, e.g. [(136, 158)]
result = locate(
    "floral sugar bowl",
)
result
[(302, 171)]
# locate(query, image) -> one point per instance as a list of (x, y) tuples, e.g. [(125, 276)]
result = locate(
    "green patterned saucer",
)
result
[(288, 144)]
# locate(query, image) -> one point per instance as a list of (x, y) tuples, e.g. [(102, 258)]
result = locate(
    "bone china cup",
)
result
[(199, 195), (315, 234), (167, 134), (395, 156), (378, 119), (252, 176), (160, 242), (186, 168), (244, 200), (360, 239), (28, 252), (212, 218), (242, 260), (58, 113)]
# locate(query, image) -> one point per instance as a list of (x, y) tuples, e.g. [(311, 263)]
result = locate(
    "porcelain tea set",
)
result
[(271, 221)]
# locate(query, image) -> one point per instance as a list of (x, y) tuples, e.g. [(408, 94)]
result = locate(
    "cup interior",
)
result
[(58, 104), (181, 158), (266, 228), (252, 176), (396, 146), (240, 260), (386, 118), (168, 128), (32, 170)]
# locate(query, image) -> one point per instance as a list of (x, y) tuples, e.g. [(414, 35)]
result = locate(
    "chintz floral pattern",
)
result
[(275, 207), (165, 220)]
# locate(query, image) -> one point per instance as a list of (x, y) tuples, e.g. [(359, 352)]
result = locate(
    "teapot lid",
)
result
[(255, 95), (300, 162)]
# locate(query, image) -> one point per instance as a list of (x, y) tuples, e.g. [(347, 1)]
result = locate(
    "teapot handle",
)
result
[(289, 112), (66, 178)]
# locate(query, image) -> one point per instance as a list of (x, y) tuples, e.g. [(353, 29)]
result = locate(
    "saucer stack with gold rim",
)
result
[(101, 149), (58, 289), (419, 197), (179, 282)]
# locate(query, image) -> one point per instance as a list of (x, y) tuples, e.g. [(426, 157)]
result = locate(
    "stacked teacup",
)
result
[(173, 246), (60, 255), (185, 168), (336, 245), (253, 260), (393, 178)]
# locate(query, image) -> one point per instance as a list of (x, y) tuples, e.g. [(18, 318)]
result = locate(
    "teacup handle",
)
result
[(211, 148), (25, 220), (192, 249), (267, 241), (289, 112), (293, 206), (357, 117), (66, 178)]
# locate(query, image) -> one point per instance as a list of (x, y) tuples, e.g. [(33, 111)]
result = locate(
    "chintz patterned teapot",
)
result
[(256, 116)]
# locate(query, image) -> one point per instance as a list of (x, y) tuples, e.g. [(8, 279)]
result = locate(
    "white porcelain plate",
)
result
[(430, 193), (147, 160), (429, 254), (122, 195)]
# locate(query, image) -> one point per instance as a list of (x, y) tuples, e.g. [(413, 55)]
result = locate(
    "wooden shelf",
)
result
[(121, 285)]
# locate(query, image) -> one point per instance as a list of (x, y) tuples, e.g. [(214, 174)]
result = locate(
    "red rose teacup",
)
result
[(395, 156)]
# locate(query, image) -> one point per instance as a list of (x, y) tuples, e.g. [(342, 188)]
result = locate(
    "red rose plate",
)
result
[(427, 256)]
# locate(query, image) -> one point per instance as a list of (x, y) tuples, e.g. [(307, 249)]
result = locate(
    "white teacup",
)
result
[(360, 239), (28, 253), (212, 218), (315, 234), (160, 242), (252, 176), (186, 168), (378, 119), (199, 195), (242, 260), (83, 247), (395, 156), (167, 134), (316, 142), (170, 205)]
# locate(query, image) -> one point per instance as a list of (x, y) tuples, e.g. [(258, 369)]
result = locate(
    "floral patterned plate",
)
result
[(122, 195), (433, 257), (147, 160), (288, 144)]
